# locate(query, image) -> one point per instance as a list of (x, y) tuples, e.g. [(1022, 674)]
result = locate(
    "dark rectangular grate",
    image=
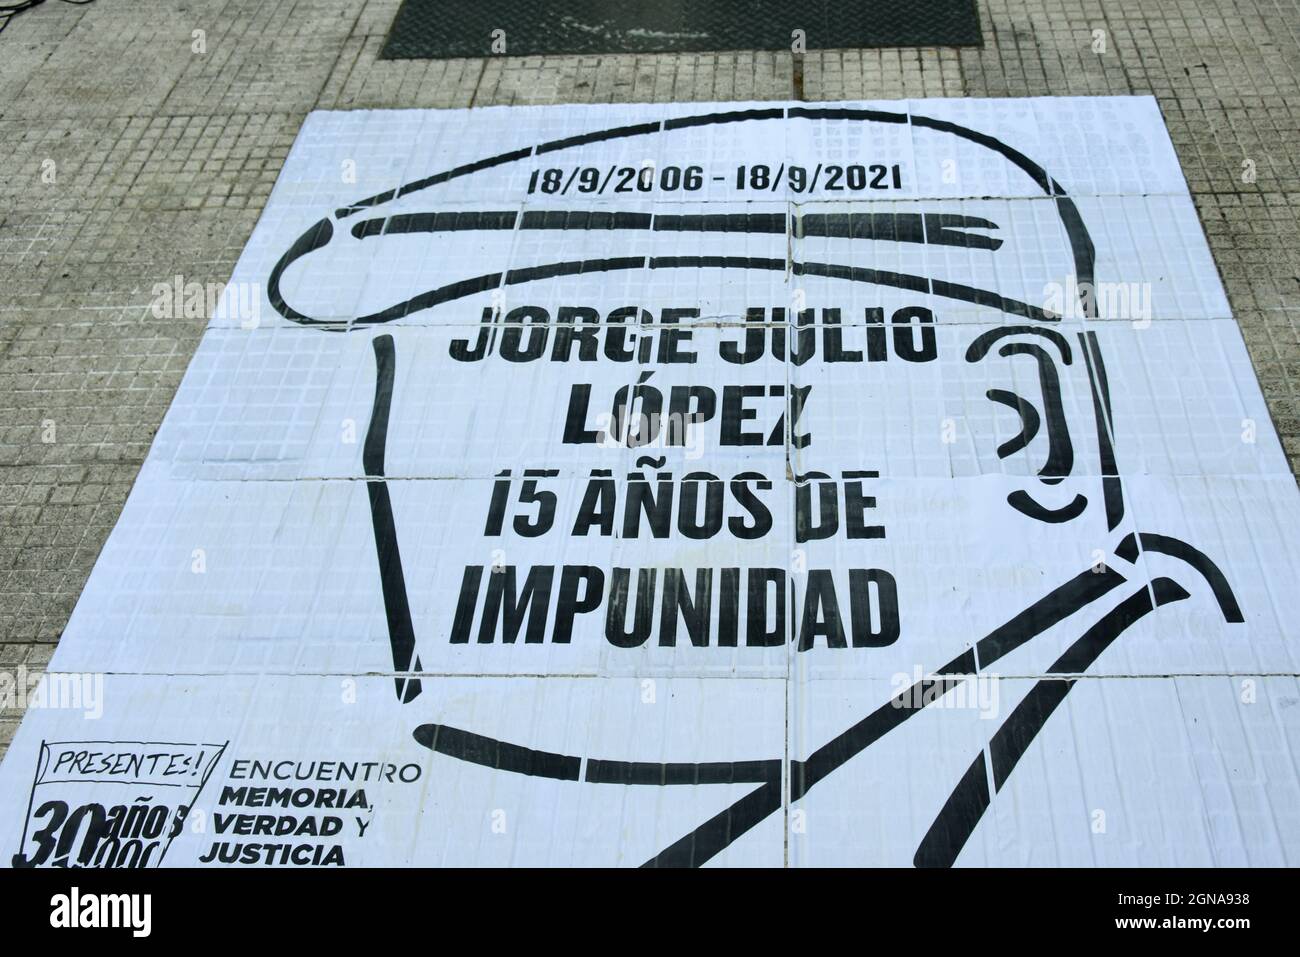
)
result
[(441, 29)]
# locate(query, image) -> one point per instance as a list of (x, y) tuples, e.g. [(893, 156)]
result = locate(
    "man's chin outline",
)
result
[(965, 806)]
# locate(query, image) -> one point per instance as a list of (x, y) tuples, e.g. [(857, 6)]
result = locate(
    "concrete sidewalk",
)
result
[(143, 138)]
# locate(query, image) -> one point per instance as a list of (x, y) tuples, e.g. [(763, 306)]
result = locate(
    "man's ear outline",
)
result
[(1060, 458)]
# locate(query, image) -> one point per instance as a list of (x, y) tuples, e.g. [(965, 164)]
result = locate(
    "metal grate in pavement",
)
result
[(444, 29)]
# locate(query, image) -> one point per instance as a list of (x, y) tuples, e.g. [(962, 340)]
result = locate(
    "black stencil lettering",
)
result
[(757, 634), (694, 611), (821, 612), (570, 603), (504, 603), (864, 635), (616, 632)]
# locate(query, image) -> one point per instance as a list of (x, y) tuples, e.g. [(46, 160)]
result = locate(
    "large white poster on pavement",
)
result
[(735, 484)]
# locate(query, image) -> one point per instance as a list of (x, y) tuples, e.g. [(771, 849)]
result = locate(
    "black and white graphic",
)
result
[(740, 484), (111, 804)]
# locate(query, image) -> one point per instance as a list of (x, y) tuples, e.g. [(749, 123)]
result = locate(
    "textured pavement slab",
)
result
[(144, 137)]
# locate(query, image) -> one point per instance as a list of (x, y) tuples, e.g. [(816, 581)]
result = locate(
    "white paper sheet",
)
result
[(734, 484)]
